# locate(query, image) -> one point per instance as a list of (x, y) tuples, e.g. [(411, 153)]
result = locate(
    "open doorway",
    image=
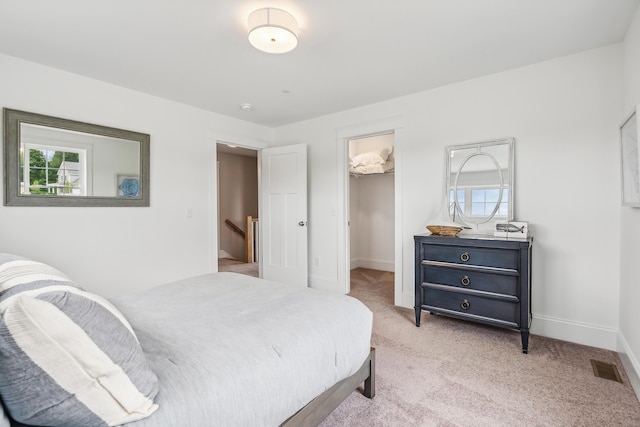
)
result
[(371, 211), (238, 222), (403, 295)]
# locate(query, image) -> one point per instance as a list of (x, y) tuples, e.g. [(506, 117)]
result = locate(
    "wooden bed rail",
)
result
[(320, 407)]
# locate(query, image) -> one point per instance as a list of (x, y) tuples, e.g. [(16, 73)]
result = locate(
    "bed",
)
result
[(217, 349)]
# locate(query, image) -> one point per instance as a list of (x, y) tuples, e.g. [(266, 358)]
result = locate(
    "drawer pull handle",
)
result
[(464, 257), (465, 305), (465, 281)]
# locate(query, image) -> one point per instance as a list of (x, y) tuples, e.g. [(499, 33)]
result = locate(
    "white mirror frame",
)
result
[(630, 159), (504, 172)]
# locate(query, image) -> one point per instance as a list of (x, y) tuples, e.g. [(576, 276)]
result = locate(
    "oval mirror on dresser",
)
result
[(479, 183)]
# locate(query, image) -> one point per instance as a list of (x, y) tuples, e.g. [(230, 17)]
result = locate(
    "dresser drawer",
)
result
[(473, 256), (481, 308), (490, 282)]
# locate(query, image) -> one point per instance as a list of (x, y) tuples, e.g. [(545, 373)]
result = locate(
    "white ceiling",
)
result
[(350, 52)]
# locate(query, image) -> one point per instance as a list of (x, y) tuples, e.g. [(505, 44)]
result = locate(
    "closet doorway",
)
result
[(371, 208), (238, 222)]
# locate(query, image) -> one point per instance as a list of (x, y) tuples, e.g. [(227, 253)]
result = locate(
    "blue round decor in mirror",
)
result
[(130, 187)]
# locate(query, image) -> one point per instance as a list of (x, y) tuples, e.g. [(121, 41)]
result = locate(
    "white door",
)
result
[(283, 221)]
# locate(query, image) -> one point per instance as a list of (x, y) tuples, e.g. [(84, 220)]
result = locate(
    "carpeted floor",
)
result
[(449, 372), (249, 269)]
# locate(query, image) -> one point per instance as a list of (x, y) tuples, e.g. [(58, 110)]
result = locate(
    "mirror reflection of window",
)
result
[(53, 170), (482, 202)]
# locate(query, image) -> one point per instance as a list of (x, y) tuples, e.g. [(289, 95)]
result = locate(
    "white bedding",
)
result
[(232, 350), (372, 162), (369, 169)]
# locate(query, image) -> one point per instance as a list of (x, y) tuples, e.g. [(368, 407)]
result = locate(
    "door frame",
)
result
[(214, 138), (384, 126)]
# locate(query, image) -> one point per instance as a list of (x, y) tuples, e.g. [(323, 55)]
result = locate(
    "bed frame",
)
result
[(320, 407)]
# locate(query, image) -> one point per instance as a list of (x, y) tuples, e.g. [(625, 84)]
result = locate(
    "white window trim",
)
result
[(85, 152), (467, 200)]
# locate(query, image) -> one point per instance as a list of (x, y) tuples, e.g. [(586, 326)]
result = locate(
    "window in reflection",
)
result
[(482, 202), (53, 170)]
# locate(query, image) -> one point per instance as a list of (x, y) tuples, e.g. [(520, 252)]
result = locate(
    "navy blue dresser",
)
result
[(486, 280)]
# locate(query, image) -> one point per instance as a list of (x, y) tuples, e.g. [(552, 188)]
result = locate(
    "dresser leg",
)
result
[(525, 341), (418, 313)]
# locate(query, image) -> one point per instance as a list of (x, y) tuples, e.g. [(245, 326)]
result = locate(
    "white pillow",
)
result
[(372, 157), (385, 152), (368, 158)]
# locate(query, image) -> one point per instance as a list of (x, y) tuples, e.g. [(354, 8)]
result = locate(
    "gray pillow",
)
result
[(67, 356)]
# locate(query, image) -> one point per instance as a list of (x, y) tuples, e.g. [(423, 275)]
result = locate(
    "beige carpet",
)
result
[(249, 269), (453, 373)]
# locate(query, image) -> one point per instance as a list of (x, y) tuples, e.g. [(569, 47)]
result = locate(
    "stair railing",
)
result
[(250, 236)]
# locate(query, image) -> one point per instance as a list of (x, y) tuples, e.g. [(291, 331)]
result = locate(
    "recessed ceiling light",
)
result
[(246, 107)]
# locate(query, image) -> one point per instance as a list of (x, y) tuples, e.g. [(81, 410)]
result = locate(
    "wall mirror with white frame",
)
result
[(49, 161), (479, 183)]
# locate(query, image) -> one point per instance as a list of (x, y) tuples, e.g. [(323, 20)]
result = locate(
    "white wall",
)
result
[(116, 250), (372, 221), (629, 337), (112, 158), (564, 115)]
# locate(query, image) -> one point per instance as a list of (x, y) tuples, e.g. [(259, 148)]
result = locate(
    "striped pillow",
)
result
[(67, 357)]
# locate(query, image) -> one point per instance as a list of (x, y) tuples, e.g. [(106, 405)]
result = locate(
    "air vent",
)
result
[(605, 370)]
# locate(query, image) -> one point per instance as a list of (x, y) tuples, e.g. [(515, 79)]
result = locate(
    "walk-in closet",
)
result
[(371, 202)]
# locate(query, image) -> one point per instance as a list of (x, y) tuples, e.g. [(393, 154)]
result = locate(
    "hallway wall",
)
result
[(238, 197)]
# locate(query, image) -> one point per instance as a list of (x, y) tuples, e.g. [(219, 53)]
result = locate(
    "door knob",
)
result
[(302, 223)]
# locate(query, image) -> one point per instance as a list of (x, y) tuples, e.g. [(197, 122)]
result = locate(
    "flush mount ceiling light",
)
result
[(273, 30)]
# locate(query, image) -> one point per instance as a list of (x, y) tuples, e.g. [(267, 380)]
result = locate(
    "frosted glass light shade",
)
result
[(273, 30)]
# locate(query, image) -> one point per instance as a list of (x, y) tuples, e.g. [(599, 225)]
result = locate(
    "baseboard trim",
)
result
[(374, 264), (408, 300), (576, 332), (323, 282), (630, 364)]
